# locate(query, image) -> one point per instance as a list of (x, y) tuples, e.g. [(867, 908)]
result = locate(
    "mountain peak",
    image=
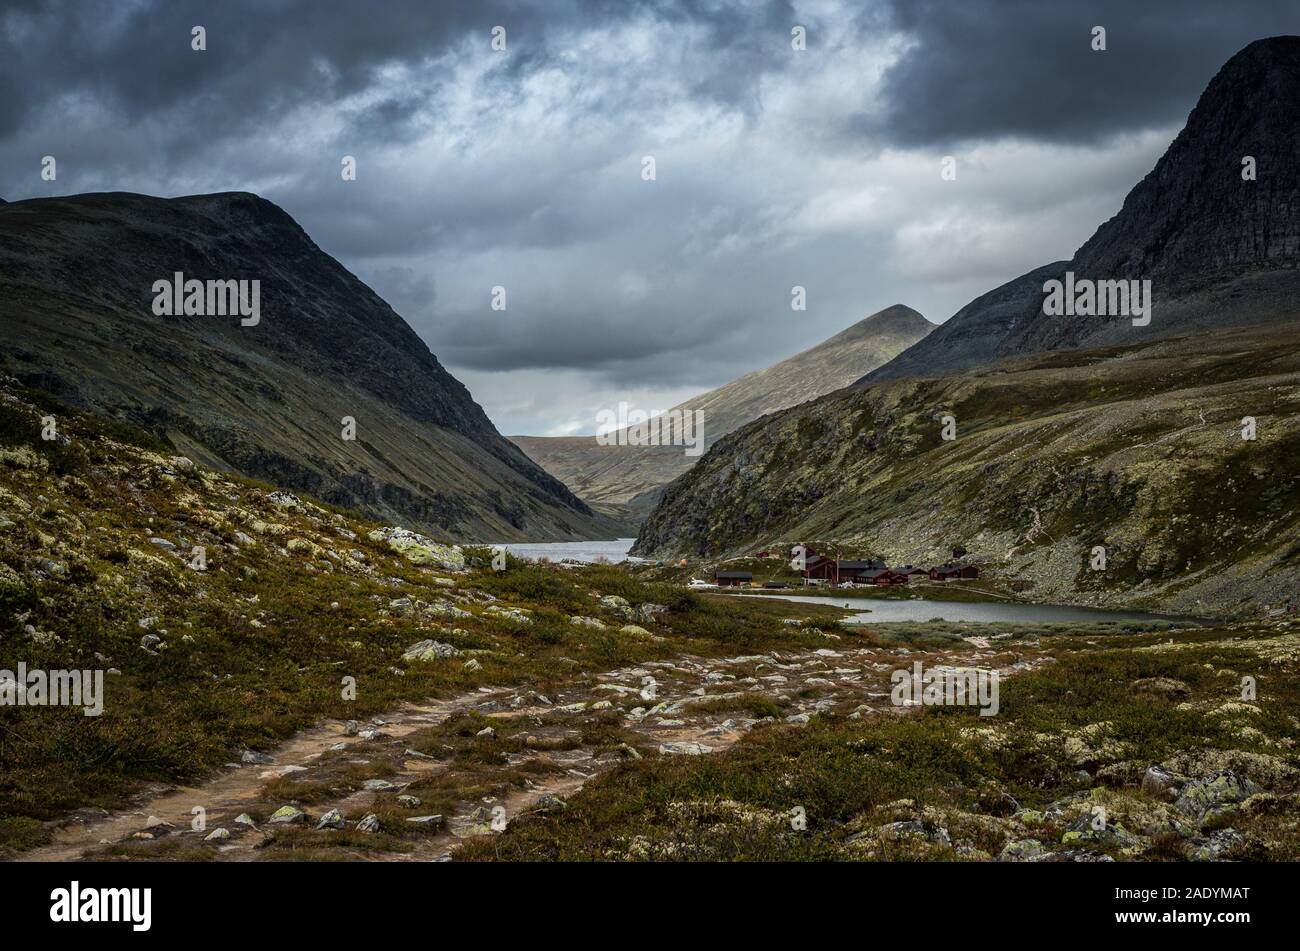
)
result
[(1215, 228), (1223, 194), (899, 316)]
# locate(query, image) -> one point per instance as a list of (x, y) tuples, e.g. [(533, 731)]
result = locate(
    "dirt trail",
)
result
[(683, 706)]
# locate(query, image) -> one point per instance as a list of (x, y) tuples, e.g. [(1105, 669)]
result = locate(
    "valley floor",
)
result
[(320, 687)]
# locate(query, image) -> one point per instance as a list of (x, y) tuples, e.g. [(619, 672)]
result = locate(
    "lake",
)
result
[(882, 610), (612, 551)]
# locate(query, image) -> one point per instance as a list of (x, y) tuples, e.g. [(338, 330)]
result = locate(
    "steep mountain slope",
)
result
[(1218, 249), (633, 474), (266, 400), (1138, 449)]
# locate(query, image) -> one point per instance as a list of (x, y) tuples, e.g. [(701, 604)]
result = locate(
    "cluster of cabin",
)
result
[(819, 569)]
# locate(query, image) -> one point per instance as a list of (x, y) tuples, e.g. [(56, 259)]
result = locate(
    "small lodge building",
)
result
[(882, 577), (951, 572), (838, 570), (732, 579), (912, 571)]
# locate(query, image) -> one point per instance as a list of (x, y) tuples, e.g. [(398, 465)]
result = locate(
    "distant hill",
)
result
[(1218, 249), (76, 319), (630, 476)]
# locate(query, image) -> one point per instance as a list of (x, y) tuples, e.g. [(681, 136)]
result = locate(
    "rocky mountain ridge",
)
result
[(272, 399), (1215, 227)]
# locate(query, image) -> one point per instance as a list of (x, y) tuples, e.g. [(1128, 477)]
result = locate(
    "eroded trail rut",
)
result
[(530, 751)]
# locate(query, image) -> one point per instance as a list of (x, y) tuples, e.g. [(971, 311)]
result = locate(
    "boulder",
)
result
[(648, 611), (331, 820), (1160, 783), (1217, 846), (429, 650), (1203, 798), (420, 549), (1022, 850), (619, 607)]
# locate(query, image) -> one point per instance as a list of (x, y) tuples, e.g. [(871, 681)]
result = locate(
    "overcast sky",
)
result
[(523, 168)]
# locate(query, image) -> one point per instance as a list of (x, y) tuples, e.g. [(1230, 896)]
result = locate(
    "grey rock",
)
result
[(331, 820), (1203, 798), (288, 815)]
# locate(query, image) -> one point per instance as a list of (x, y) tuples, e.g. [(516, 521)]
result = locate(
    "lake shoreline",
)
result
[(913, 610)]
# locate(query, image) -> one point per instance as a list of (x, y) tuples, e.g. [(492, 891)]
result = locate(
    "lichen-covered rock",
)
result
[(290, 815), (1203, 798), (1216, 847), (302, 546), (429, 650), (1093, 828), (619, 607), (1022, 850), (331, 820), (914, 828), (513, 615), (446, 610), (420, 549)]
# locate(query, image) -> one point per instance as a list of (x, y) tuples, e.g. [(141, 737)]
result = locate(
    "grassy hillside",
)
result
[(1136, 449), (97, 534)]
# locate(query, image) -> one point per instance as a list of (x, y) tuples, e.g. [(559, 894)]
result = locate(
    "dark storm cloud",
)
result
[(262, 58), (984, 68), (775, 168), (266, 57)]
